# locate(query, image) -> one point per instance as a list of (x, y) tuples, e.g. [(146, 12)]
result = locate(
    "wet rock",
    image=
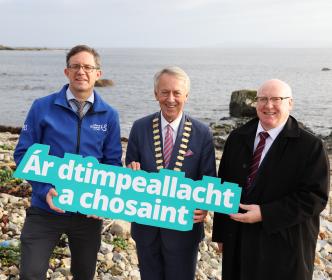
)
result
[(243, 103), (120, 228), (104, 83)]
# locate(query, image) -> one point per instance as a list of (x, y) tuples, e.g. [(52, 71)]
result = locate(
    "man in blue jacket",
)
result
[(174, 140), (74, 120)]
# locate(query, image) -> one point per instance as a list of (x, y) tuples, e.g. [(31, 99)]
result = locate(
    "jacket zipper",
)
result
[(79, 124)]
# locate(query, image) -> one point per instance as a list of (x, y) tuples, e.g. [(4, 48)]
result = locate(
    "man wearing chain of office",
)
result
[(170, 139)]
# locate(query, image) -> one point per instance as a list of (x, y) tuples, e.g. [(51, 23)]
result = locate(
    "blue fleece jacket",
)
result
[(51, 121)]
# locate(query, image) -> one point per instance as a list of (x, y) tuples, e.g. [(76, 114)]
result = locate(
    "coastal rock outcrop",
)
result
[(242, 103), (104, 83)]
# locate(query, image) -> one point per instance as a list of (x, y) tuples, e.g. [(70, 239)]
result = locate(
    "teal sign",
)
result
[(165, 199)]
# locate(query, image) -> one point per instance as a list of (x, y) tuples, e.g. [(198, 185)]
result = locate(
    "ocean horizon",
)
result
[(215, 73)]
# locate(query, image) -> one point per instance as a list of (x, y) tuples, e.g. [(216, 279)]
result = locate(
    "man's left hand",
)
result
[(253, 214), (199, 215)]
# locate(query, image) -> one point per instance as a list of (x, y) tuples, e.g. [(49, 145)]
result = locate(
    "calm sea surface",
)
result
[(214, 73)]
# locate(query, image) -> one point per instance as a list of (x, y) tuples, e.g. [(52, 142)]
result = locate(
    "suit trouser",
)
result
[(158, 261), (41, 233)]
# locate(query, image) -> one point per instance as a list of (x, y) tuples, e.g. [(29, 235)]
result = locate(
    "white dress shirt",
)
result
[(273, 133), (174, 124), (70, 96)]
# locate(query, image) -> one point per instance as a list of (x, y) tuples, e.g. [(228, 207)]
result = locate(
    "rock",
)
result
[(104, 83), (328, 142), (135, 273), (66, 262), (243, 103), (13, 270), (14, 130), (57, 276), (106, 248), (326, 69), (120, 228), (117, 257), (116, 270)]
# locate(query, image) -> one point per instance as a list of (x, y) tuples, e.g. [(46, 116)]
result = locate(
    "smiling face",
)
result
[(81, 83), (272, 115), (171, 93)]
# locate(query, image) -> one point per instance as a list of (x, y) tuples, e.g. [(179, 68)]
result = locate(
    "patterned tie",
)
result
[(256, 158), (80, 106), (168, 146)]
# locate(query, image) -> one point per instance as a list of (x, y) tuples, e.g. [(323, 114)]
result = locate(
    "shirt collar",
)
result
[(174, 124), (273, 133), (70, 96)]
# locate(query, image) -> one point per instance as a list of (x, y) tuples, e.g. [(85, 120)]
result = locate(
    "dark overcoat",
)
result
[(291, 188)]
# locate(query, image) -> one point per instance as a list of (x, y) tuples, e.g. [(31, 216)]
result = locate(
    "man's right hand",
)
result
[(49, 199), (134, 165)]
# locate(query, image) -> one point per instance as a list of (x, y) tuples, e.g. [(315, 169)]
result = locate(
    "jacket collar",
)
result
[(291, 128), (248, 131), (99, 104)]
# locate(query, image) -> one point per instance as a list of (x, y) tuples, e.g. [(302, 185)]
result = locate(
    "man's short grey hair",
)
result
[(287, 90), (175, 71)]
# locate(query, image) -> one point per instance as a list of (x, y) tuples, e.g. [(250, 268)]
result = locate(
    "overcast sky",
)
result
[(166, 23)]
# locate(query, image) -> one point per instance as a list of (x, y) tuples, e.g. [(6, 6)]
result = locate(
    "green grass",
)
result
[(120, 242), (10, 256), (6, 176), (6, 147)]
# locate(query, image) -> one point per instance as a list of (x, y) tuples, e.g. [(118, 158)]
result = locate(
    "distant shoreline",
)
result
[(7, 48)]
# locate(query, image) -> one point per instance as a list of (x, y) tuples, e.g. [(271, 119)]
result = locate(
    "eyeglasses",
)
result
[(263, 100), (86, 68)]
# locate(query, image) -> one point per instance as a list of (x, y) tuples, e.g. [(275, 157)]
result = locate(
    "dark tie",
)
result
[(168, 146), (256, 158), (80, 106)]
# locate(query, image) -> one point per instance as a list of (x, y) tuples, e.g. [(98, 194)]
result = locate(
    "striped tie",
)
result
[(168, 146), (80, 106), (256, 158)]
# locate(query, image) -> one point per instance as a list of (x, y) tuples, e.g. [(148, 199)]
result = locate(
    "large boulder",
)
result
[(104, 83), (243, 103), (328, 142)]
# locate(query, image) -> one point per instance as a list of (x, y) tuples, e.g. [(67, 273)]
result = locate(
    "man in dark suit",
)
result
[(285, 186), (170, 139)]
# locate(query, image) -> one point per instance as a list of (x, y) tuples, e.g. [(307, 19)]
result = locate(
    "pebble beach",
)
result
[(117, 258)]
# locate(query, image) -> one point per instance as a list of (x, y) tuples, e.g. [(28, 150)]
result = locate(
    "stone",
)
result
[(106, 248), (57, 276), (135, 273), (65, 271), (65, 262), (242, 103), (120, 228), (116, 270), (117, 257), (104, 83), (13, 270), (133, 259)]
